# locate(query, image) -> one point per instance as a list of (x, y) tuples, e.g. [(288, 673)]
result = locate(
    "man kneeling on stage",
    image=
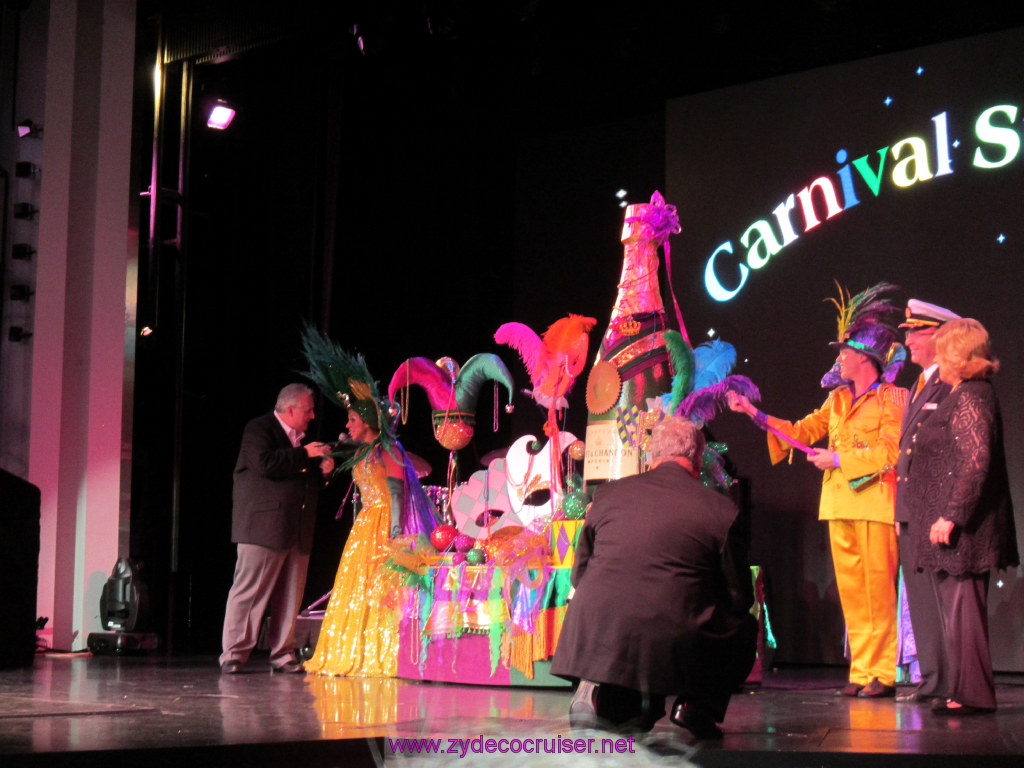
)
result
[(663, 597)]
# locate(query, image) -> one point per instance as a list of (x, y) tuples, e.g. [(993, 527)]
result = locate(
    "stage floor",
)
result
[(77, 710)]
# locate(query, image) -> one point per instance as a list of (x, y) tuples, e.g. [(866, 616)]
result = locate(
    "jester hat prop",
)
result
[(451, 391)]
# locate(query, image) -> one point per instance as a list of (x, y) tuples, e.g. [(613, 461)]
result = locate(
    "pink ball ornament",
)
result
[(464, 542), (443, 536), (458, 558)]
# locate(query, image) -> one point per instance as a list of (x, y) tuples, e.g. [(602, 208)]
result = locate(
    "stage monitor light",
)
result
[(29, 130), (220, 117)]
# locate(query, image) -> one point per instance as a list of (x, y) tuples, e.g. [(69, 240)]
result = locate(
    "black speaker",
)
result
[(19, 569)]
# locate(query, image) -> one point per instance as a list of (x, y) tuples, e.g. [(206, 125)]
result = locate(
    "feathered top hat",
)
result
[(875, 341), (865, 326)]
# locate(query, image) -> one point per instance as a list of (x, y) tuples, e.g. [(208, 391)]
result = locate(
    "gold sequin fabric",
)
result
[(359, 635)]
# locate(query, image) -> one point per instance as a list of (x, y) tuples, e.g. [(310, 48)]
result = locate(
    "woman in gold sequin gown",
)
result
[(359, 635)]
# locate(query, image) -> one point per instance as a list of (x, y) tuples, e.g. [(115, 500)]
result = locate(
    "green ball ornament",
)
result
[(476, 556), (574, 505)]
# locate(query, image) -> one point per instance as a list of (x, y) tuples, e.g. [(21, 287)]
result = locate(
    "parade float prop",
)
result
[(485, 597)]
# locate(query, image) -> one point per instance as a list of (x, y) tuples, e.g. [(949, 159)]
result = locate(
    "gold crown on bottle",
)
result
[(629, 327)]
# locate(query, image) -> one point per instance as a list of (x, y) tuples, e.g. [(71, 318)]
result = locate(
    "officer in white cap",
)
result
[(922, 320)]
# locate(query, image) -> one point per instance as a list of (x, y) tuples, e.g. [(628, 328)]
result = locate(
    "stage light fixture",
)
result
[(17, 334), (21, 292), (124, 612), (26, 170), (25, 211), (22, 251), (29, 130), (220, 116)]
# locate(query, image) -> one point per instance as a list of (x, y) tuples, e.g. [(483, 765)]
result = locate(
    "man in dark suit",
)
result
[(277, 481), (922, 321), (663, 597)]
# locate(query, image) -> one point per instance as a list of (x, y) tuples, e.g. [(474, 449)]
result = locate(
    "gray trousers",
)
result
[(264, 576)]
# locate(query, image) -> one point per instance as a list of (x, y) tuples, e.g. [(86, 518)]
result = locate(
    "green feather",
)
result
[(681, 356)]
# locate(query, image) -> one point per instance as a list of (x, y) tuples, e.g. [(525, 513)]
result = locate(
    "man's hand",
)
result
[(317, 449), (822, 459), (740, 404), (327, 465)]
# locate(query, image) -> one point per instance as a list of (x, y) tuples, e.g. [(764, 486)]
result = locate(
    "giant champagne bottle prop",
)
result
[(632, 364)]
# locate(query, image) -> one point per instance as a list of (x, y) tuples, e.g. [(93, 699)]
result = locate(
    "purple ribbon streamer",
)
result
[(783, 436)]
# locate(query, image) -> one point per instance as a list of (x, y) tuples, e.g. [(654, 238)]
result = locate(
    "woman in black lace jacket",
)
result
[(961, 508)]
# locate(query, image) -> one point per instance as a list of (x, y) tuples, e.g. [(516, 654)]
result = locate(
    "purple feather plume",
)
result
[(702, 405)]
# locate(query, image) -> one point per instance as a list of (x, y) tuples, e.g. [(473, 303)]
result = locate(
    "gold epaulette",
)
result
[(898, 396)]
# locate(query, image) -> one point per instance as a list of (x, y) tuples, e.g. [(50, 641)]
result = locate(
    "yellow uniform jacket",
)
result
[(866, 435)]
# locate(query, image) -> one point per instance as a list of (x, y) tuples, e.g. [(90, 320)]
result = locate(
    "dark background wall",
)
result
[(456, 172), (953, 238)]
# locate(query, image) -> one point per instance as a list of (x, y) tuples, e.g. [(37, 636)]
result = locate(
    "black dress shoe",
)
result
[(231, 667), (583, 707), (877, 690), (695, 720), (850, 689), (289, 667)]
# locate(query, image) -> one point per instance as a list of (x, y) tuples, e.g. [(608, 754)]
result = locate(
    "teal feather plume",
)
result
[(713, 361)]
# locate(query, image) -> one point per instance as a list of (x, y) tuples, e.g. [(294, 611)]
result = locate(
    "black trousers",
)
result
[(965, 668), (715, 668), (924, 612)]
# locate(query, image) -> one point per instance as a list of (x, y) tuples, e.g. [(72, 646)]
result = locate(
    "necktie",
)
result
[(919, 387)]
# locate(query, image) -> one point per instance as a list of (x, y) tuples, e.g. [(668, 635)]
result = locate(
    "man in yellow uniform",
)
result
[(861, 418)]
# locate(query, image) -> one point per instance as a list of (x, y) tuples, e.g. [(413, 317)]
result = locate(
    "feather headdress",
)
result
[(346, 381)]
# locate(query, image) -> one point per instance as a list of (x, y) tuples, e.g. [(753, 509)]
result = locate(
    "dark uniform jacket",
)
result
[(918, 409)]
